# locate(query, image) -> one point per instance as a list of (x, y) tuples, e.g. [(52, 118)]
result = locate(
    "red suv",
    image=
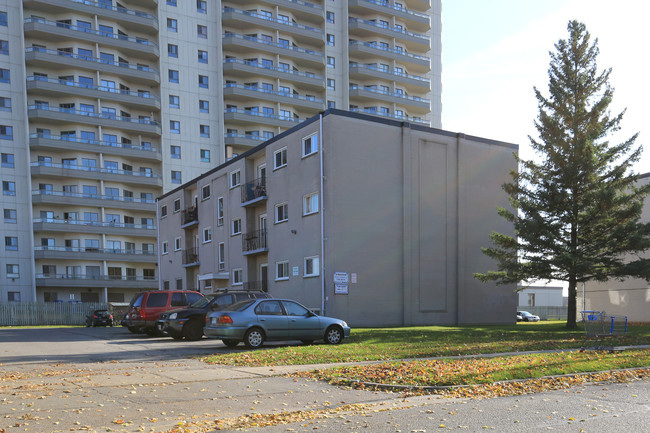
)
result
[(145, 308)]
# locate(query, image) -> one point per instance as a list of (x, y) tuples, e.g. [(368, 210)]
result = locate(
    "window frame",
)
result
[(282, 263), (284, 160), (236, 221), (313, 145), (207, 235), (235, 175), (164, 248), (237, 277), (315, 266), (285, 211), (306, 200), (178, 244), (204, 195)]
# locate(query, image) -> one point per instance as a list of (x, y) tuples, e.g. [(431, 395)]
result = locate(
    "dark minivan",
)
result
[(145, 308)]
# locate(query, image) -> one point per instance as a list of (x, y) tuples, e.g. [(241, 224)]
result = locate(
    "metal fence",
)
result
[(546, 313), (48, 313)]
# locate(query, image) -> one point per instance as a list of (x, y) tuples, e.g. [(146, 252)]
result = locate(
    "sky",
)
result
[(495, 51)]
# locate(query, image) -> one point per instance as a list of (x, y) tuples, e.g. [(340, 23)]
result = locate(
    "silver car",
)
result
[(254, 321)]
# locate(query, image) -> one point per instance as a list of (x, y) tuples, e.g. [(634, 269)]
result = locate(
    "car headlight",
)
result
[(172, 316)]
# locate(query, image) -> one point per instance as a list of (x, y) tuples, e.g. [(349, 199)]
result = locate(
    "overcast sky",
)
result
[(495, 51)]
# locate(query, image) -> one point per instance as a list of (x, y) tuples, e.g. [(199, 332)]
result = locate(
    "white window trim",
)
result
[(311, 138), (277, 167), (221, 258), (231, 178), (207, 230), (304, 204), (276, 271), (203, 196), (232, 227), (220, 208), (316, 268), (165, 248), (234, 271), (177, 241), (161, 212), (286, 213), (178, 200)]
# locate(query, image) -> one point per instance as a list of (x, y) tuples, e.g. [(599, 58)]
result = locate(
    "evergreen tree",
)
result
[(576, 211)]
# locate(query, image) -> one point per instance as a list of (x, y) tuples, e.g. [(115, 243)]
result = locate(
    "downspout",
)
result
[(158, 244), (322, 218)]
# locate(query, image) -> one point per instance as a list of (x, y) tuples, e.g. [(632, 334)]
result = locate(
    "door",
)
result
[(264, 275), (302, 324), (272, 318)]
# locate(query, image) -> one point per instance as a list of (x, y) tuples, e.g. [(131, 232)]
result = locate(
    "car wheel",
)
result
[(307, 342), (193, 330), (254, 338), (230, 343), (333, 335)]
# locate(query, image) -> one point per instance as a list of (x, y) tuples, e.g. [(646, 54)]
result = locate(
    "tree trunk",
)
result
[(571, 322)]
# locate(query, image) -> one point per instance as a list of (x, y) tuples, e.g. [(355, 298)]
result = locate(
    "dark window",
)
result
[(158, 299), (177, 299), (193, 297)]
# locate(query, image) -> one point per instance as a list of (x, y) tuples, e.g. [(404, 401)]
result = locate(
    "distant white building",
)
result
[(541, 296)]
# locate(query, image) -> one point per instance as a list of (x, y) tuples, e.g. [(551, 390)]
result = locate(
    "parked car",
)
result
[(99, 318), (188, 322), (525, 316), (255, 321), (145, 308)]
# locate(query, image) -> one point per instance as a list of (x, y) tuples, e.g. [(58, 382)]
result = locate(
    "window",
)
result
[(330, 39), (165, 247), (311, 267), (310, 204), (6, 132), (237, 276), (310, 145), (172, 50), (205, 192), (331, 84), (174, 101), (177, 205), (176, 176), (175, 126), (220, 211), (13, 296), (222, 256), (163, 211), (172, 25), (175, 152), (207, 235), (201, 6), (235, 178), (203, 56), (280, 158), (12, 271), (7, 160), (331, 62), (4, 47), (236, 226), (11, 243), (281, 212), (203, 81), (204, 106), (281, 271), (173, 76), (3, 19), (5, 104), (202, 31), (329, 16), (204, 131), (171, 3), (10, 216), (4, 76), (8, 188), (331, 104), (177, 244), (205, 155)]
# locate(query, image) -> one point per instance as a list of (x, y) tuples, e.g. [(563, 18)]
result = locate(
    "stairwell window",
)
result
[(309, 145)]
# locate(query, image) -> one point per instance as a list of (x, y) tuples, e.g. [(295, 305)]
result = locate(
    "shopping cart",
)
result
[(600, 326)]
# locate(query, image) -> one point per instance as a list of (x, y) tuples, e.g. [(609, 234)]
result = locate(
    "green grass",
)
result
[(383, 344)]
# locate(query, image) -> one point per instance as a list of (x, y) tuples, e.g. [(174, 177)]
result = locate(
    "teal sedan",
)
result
[(256, 321)]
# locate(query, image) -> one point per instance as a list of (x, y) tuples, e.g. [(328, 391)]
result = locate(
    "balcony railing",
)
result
[(94, 169), (96, 224), (144, 68), (271, 92), (191, 256), (273, 68), (302, 3), (393, 94), (390, 50), (95, 142), (258, 114), (94, 196), (121, 37), (397, 7), (95, 250), (189, 215), (246, 136), (144, 95), (388, 71), (254, 190), (390, 116), (391, 28), (96, 277), (275, 20), (271, 43), (254, 241), (94, 114), (115, 8)]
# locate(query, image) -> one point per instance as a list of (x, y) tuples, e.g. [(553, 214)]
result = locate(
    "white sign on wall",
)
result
[(341, 278), (341, 289), (296, 271)]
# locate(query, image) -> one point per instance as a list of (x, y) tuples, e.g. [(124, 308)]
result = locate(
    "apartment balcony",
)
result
[(412, 83), (63, 198), (235, 116), (302, 10), (243, 68), (57, 88), (96, 281), (370, 51), (130, 19), (301, 56), (54, 31), (415, 20), (48, 169), (418, 5), (254, 243), (82, 253), (57, 115), (94, 227), (243, 140), (153, 4), (414, 103), (191, 257), (401, 118), (256, 286), (254, 193), (366, 28), (189, 217), (54, 59), (130, 151), (239, 92), (242, 19)]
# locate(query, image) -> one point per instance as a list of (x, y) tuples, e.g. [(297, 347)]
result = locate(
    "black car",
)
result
[(188, 322), (99, 318)]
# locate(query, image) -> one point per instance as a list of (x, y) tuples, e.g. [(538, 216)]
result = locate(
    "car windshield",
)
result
[(202, 302)]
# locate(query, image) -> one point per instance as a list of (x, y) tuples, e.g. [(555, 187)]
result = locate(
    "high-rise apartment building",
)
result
[(106, 104)]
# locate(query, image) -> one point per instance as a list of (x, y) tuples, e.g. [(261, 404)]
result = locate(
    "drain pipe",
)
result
[(322, 219)]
